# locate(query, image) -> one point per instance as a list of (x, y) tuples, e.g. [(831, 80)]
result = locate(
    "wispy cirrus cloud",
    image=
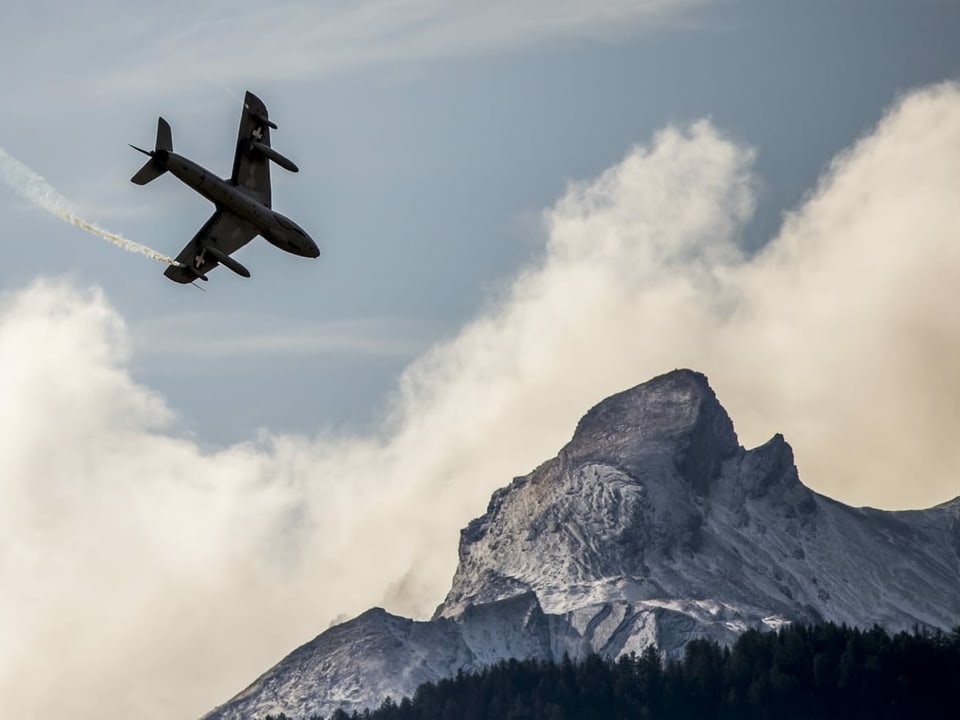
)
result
[(229, 42), (182, 336)]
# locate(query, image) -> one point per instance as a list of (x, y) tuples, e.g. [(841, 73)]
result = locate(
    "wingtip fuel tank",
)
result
[(279, 159), (227, 261)]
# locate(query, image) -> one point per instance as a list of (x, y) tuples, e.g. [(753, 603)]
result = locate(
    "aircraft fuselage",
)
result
[(243, 201), (277, 229)]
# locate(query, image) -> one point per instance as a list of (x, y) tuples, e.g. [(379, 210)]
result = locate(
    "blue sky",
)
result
[(430, 138), (523, 207)]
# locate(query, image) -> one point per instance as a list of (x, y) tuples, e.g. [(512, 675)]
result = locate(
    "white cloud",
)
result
[(848, 317), (144, 577)]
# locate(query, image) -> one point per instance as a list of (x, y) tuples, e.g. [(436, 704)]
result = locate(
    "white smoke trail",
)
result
[(34, 188)]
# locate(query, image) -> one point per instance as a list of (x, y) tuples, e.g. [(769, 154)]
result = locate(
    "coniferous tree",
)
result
[(823, 672)]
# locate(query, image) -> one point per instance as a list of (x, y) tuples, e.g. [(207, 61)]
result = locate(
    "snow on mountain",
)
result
[(652, 525)]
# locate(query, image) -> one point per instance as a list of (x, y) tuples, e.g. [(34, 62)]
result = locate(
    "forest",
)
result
[(803, 672)]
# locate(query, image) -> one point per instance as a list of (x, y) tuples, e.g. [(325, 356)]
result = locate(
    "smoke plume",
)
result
[(28, 184)]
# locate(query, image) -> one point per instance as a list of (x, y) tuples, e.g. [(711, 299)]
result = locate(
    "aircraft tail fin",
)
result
[(155, 167), (164, 136)]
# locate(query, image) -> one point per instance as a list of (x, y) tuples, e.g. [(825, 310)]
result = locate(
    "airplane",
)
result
[(243, 208)]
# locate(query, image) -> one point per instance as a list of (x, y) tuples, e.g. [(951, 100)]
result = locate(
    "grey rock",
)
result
[(652, 525)]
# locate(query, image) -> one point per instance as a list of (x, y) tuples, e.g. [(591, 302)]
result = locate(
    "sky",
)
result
[(522, 208)]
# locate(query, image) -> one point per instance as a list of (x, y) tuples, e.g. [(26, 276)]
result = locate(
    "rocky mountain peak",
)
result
[(652, 525), (676, 413), (631, 489)]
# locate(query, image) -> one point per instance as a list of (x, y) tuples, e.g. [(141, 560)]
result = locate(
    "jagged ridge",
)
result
[(651, 525)]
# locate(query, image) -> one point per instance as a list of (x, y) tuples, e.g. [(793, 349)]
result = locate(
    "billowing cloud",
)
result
[(145, 576), (845, 335)]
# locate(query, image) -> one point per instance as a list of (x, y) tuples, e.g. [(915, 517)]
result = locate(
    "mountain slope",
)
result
[(651, 525)]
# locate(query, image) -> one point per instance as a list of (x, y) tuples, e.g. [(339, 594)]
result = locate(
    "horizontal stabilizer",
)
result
[(151, 171)]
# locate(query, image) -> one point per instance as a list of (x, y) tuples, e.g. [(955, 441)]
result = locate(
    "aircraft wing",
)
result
[(224, 233), (251, 167)]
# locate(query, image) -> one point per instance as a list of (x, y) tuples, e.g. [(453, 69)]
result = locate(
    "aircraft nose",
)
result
[(312, 249)]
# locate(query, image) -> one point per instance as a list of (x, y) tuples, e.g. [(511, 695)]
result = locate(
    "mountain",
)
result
[(652, 525)]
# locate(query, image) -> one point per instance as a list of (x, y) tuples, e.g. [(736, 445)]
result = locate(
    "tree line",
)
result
[(800, 672)]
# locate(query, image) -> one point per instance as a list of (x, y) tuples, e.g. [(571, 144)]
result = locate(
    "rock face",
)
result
[(652, 525)]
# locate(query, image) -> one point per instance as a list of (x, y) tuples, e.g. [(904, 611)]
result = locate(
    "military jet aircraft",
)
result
[(243, 202)]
